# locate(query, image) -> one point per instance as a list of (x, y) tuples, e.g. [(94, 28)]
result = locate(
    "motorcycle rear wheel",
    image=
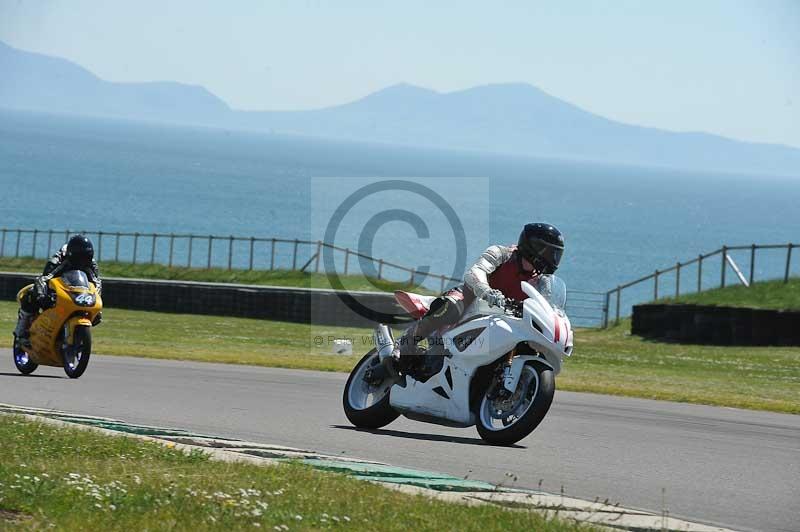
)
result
[(366, 405), (507, 422), (76, 356)]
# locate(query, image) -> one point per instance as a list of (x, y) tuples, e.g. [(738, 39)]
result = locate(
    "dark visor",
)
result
[(552, 255)]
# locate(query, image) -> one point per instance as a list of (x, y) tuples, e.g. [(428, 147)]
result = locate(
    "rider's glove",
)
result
[(494, 297), (98, 319), (46, 299)]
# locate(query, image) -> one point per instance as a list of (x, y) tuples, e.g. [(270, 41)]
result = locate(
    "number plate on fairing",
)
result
[(85, 299)]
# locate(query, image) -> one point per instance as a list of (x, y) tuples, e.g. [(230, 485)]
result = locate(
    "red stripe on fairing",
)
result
[(557, 334)]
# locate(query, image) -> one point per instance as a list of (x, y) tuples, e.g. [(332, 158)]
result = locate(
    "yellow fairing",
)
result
[(69, 312)]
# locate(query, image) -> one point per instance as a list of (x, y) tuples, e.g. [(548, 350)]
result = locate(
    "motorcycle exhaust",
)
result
[(384, 341)]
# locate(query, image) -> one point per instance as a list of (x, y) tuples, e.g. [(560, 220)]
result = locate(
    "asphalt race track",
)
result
[(728, 467)]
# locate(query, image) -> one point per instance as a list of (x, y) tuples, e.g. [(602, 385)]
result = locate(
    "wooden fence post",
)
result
[(655, 286), (724, 264), (788, 262), (171, 247), (699, 273)]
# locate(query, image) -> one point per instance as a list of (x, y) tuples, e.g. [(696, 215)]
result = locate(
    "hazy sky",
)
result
[(728, 67)]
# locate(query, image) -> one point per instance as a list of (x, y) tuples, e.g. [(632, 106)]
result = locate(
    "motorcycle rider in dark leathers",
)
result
[(76, 254), (494, 277)]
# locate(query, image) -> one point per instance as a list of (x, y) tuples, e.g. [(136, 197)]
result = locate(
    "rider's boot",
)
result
[(22, 330), (406, 346)]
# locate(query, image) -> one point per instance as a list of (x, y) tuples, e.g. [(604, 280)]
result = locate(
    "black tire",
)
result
[(22, 361), (376, 416), (82, 341), (531, 418)]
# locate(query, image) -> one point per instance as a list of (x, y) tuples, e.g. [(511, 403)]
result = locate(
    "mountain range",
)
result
[(512, 118)]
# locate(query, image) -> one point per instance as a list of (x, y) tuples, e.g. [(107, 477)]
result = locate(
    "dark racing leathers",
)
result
[(33, 298), (498, 268)]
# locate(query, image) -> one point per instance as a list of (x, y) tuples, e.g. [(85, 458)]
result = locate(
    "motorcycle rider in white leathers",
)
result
[(494, 277)]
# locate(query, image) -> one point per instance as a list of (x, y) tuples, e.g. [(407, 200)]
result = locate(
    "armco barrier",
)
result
[(703, 324), (299, 305)]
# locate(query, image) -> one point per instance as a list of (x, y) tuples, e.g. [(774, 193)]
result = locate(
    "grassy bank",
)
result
[(220, 275), (770, 294), (70, 479), (605, 361)]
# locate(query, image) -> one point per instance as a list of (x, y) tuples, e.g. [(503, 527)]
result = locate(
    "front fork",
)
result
[(509, 373), (73, 323)]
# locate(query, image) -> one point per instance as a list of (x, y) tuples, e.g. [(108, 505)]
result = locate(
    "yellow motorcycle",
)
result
[(61, 335)]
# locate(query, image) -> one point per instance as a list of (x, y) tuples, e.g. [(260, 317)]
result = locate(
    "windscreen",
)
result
[(75, 278), (553, 289)]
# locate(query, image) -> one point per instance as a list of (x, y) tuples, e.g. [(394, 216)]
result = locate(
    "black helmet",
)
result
[(542, 245), (80, 251)]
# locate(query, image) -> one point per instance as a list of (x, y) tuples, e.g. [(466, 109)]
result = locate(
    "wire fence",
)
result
[(215, 251), (699, 273), (231, 252)]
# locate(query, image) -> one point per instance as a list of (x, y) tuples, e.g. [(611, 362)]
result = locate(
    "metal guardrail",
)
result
[(614, 295), (193, 250)]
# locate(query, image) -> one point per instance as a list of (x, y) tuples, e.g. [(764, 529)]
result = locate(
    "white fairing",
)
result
[(499, 334)]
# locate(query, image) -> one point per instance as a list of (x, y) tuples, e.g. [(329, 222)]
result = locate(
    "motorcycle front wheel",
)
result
[(505, 420), (366, 404), (22, 361), (76, 356)]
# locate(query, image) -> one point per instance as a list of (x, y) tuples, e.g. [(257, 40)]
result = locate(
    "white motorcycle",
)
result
[(495, 368)]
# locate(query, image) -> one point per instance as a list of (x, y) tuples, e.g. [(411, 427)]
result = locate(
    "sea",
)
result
[(421, 208)]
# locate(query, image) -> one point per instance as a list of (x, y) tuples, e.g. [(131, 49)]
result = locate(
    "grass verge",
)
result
[(768, 294), (71, 479), (220, 275), (610, 361)]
